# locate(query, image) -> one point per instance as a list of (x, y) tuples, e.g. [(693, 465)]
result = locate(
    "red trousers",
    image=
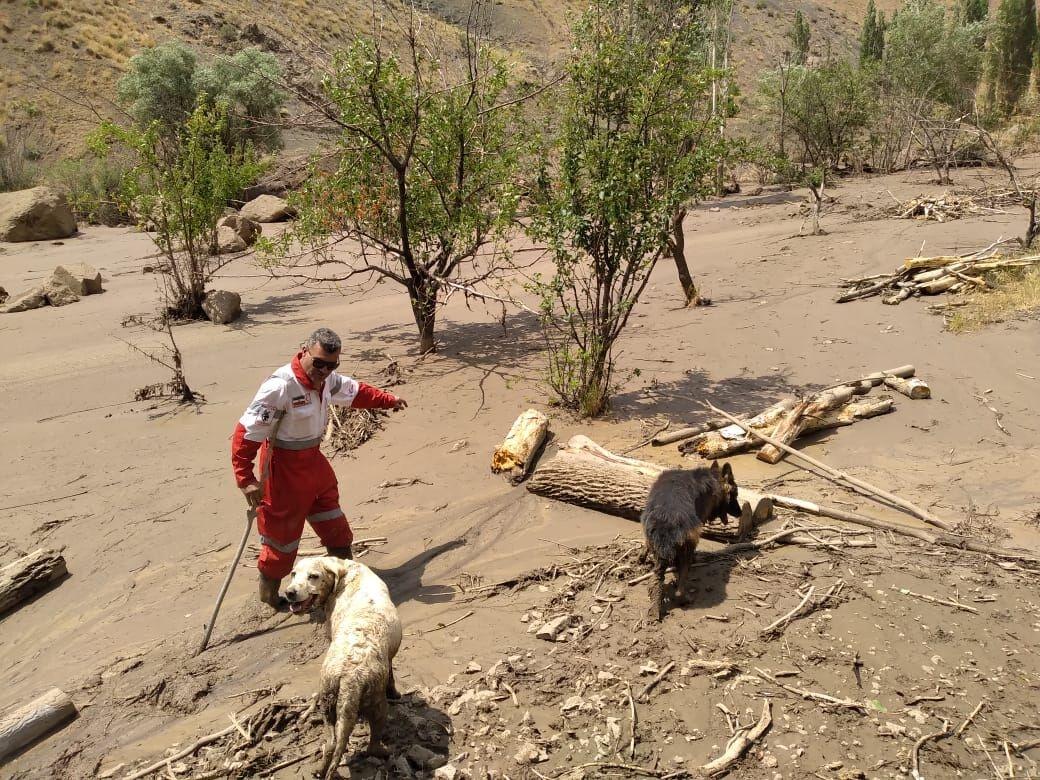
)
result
[(301, 486)]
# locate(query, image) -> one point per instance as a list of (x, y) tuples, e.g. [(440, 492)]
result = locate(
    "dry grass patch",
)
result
[(1016, 293)]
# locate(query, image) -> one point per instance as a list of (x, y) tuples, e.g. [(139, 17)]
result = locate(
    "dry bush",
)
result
[(1016, 293)]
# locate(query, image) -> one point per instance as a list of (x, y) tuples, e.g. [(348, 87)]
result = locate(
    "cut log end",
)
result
[(40, 716), (22, 579), (521, 446)]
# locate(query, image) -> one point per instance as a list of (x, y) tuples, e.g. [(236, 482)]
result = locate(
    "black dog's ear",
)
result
[(714, 468), (727, 474)]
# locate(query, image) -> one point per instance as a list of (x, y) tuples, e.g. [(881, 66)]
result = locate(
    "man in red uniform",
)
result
[(302, 485)]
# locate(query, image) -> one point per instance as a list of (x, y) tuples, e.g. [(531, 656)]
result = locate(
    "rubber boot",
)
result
[(343, 553), (269, 594)]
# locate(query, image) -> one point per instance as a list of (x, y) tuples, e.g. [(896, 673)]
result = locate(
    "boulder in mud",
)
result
[(80, 278), (228, 241), (222, 306), (247, 229), (57, 294), (34, 298), (267, 208), (39, 214)]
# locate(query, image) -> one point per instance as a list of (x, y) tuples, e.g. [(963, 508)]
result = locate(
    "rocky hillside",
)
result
[(62, 58)]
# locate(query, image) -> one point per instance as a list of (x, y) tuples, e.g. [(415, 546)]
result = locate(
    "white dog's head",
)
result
[(313, 581)]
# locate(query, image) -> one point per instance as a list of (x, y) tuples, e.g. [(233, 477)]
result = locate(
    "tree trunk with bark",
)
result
[(586, 474), (26, 724), (677, 248), (423, 295)]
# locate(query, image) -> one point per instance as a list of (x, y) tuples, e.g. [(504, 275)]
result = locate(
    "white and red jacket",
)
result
[(289, 393)]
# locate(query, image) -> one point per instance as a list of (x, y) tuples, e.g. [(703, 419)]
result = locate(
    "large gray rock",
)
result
[(39, 214), (222, 307), (30, 299), (3, 295), (247, 228), (267, 208), (228, 241), (57, 294), (81, 278)]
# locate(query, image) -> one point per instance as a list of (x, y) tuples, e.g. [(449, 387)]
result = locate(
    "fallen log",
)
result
[(521, 446), (739, 743), (27, 576), (798, 419), (913, 388), (733, 439), (585, 474), (38, 717)]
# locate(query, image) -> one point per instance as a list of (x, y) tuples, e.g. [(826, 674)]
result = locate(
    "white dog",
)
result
[(357, 675)]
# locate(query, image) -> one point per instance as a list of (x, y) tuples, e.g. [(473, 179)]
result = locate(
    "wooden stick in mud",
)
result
[(35, 719), (23, 578), (153, 768), (840, 476), (913, 388), (740, 743), (938, 540)]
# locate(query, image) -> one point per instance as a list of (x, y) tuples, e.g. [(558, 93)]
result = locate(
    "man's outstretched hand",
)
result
[(400, 404), (253, 495)]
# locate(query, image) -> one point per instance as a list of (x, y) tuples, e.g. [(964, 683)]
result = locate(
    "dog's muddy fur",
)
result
[(679, 503), (364, 636)]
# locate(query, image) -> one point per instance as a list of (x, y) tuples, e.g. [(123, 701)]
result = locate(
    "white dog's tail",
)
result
[(339, 701)]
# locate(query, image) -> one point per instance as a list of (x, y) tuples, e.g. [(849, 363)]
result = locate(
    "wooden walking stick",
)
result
[(265, 472)]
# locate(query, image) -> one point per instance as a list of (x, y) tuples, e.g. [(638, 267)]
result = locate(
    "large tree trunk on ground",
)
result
[(677, 247), (28, 723), (25, 577), (732, 440), (585, 474), (799, 418), (521, 446)]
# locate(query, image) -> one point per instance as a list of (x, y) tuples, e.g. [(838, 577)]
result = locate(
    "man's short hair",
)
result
[(328, 340)]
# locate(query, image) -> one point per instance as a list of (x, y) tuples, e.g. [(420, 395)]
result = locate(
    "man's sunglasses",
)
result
[(324, 365)]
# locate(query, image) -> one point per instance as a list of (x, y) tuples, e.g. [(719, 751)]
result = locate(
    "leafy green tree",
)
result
[(800, 36), (166, 83), (180, 182), (1011, 51), (160, 86), (607, 195), (425, 180), (872, 37)]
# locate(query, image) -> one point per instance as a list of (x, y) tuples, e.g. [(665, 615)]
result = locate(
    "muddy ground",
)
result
[(140, 496)]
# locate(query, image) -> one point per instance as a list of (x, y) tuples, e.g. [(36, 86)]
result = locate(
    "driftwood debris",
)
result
[(517, 453), (913, 388), (947, 207), (847, 479), (934, 275), (27, 576), (588, 475), (35, 719), (733, 440)]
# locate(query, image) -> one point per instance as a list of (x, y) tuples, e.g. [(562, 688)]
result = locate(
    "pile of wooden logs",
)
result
[(932, 276), (786, 420), (947, 207)]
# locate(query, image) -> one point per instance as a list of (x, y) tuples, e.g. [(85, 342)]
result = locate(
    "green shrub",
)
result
[(93, 186)]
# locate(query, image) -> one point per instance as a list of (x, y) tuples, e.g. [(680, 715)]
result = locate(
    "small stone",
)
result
[(769, 761), (424, 758), (552, 630), (524, 618), (834, 766), (446, 772), (529, 753), (57, 294), (473, 667), (458, 445)]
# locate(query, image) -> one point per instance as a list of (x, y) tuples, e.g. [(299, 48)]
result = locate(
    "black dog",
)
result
[(680, 502)]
